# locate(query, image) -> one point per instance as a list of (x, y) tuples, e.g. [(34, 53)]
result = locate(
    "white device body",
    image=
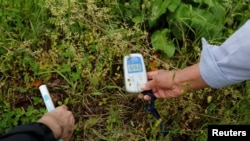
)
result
[(46, 98), (134, 72)]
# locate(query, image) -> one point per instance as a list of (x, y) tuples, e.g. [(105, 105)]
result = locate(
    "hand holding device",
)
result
[(135, 76), (47, 99)]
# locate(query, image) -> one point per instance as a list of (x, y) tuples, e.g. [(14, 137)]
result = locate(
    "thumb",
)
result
[(148, 86)]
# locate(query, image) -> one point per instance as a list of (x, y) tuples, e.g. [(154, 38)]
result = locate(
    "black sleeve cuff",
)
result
[(36, 130)]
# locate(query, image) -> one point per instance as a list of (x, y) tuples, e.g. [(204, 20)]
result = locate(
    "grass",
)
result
[(76, 48)]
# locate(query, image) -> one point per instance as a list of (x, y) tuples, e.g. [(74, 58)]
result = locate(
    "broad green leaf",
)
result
[(158, 8), (174, 4), (206, 23), (210, 3), (159, 42)]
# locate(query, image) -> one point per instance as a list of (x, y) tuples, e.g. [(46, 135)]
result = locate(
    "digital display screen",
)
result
[(134, 64), (134, 68)]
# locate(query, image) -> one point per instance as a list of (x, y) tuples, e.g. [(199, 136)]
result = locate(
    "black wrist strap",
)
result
[(151, 109)]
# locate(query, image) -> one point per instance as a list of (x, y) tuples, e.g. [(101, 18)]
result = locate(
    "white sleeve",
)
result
[(229, 63)]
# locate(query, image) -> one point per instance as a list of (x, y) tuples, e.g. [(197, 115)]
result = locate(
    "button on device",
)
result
[(46, 97)]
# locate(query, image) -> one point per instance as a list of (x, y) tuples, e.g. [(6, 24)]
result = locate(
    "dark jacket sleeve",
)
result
[(29, 132)]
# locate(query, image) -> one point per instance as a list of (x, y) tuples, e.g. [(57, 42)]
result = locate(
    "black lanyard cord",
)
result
[(151, 109)]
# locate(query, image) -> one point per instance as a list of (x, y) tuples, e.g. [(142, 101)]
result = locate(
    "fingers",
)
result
[(68, 131), (158, 94), (72, 120), (162, 84), (151, 74), (61, 122), (68, 125), (63, 106), (145, 97), (152, 82), (148, 86)]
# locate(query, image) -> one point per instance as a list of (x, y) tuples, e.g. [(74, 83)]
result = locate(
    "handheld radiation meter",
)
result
[(135, 76), (134, 72)]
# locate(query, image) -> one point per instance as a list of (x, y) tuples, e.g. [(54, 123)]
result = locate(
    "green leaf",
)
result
[(65, 68), (207, 23), (158, 8), (37, 100), (2, 51), (137, 19), (91, 122), (66, 101), (159, 42), (198, 1), (174, 4), (210, 3)]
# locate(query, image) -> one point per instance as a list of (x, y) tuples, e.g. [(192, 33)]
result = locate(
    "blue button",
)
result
[(46, 97)]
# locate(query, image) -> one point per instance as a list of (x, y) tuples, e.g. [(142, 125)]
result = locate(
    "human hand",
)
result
[(162, 83), (169, 84), (60, 121)]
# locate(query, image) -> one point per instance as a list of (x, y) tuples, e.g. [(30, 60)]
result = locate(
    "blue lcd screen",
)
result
[(134, 64)]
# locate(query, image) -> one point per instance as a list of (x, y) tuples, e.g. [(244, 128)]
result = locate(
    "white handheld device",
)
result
[(46, 98), (134, 72)]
